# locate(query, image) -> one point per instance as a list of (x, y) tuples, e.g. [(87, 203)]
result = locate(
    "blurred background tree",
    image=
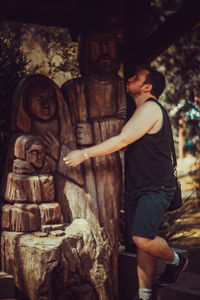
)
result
[(12, 66), (181, 65)]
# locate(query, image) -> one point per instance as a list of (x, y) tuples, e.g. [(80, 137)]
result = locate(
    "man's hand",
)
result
[(84, 134), (74, 158)]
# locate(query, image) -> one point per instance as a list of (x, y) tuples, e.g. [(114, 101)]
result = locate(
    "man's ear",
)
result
[(147, 87)]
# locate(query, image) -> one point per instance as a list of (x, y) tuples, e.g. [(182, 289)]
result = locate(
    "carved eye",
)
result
[(37, 98), (33, 153)]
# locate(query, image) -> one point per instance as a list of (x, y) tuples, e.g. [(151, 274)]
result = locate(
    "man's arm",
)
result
[(144, 119)]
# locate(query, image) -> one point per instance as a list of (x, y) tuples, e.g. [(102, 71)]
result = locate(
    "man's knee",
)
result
[(141, 242)]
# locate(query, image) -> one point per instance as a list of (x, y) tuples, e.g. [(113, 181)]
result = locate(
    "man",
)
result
[(150, 183)]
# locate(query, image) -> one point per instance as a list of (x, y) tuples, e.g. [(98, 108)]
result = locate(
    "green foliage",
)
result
[(53, 48), (161, 11), (12, 68), (181, 66), (71, 61), (180, 62), (12, 61)]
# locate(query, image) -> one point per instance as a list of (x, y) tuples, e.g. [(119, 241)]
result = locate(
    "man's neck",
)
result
[(140, 99)]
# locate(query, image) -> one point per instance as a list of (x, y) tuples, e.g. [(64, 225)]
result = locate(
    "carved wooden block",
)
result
[(21, 217), (50, 213), (32, 189)]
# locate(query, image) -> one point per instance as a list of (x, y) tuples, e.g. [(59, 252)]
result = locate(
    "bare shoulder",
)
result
[(154, 112), (150, 108), (147, 118)]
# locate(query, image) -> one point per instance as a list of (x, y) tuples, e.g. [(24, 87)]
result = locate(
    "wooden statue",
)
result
[(75, 258), (97, 107), (87, 196), (28, 187)]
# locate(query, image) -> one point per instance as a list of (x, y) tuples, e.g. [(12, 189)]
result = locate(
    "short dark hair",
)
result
[(157, 80)]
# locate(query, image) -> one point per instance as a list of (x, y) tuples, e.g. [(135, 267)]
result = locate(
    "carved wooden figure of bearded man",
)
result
[(97, 106)]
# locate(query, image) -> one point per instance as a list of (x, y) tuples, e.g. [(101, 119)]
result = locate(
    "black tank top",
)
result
[(148, 161)]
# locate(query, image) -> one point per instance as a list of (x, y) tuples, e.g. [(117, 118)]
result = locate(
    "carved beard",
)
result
[(104, 66)]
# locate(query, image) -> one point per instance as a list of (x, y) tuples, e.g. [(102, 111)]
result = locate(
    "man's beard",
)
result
[(133, 94)]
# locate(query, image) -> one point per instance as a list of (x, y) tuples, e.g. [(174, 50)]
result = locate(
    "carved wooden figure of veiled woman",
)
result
[(97, 105), (39, 108)]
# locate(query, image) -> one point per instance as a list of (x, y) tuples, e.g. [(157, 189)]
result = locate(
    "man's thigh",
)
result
[(148, 213)]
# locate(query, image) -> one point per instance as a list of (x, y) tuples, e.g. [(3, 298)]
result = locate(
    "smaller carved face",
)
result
[(35, 155), (42, 104)]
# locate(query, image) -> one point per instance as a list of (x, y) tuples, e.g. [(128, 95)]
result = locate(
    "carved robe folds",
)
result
[(98, 112)]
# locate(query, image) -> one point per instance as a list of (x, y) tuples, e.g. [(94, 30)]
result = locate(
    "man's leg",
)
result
[(150, 211), (157, 247), (145, 268), (148, 251)]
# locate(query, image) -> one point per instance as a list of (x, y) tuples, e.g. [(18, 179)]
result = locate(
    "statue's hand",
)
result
[(84, 134), (52, 145)]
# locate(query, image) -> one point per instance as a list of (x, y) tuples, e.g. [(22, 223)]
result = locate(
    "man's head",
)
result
[(146, 81), (98, 54)]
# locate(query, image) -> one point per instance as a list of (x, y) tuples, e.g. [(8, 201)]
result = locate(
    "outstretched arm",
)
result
[(143, 120)]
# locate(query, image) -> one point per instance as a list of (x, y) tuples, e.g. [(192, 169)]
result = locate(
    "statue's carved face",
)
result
[(42, 104), (35, 155), (102, 54)]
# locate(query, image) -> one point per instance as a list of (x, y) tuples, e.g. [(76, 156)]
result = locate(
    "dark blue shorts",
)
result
[(145, 211)]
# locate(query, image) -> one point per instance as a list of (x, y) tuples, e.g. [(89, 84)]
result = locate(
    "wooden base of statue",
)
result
[(75, 265), (21, 217), (50, 213), (30, 217)]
